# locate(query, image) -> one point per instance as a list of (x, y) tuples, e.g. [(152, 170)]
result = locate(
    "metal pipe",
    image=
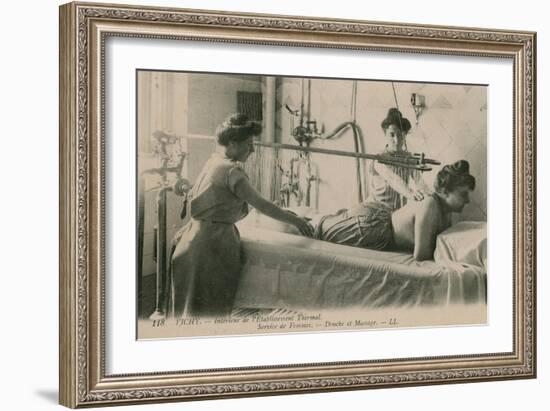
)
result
[(337, 130), (308, 101), (363, 149), (302, 104), (161, 255), (310, 179), (270, 99), (357, 164), (409, 162), (164, 170), (291, 179)]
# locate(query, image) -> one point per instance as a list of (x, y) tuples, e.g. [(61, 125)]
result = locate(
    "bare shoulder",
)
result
[(429, 205), (429, 201)]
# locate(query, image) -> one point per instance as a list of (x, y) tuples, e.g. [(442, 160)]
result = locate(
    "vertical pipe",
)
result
[(308, 175), (161, 255), (270, 98), (302, 103), (308, 100), (269, 130)]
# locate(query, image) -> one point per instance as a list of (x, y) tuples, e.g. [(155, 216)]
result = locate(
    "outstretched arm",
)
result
[(397, 182), (245, 191), (419, 184), (425, 229)]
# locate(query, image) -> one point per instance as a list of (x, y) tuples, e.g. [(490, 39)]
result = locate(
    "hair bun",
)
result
[(395, 117), (459, 167), (237, 127), (453, 175), (394, 112), (238, 119)]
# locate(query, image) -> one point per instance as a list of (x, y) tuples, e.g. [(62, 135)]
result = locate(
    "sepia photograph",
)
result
[(283, 204)]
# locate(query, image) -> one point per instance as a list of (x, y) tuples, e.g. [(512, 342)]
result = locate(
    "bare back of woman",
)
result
[(416, 226), (412, 228)]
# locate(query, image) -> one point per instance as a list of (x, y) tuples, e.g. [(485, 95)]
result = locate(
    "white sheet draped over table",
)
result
[(291, 271)]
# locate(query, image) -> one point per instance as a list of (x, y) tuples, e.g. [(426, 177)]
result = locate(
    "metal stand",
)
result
[(171, 161), (161, 232)]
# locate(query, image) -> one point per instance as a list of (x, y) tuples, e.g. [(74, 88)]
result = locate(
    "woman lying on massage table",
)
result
[(413, 227)]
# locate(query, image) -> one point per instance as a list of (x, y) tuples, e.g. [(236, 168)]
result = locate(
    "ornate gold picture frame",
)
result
[(85, 329)]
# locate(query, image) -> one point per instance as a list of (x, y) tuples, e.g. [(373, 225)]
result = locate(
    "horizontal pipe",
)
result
[(386, 159)]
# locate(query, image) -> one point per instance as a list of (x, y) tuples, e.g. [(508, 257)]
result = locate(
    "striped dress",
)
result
[(380, 191)]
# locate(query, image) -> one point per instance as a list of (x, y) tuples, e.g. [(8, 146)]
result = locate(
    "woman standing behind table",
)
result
[(389, 184), (206, 258)]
